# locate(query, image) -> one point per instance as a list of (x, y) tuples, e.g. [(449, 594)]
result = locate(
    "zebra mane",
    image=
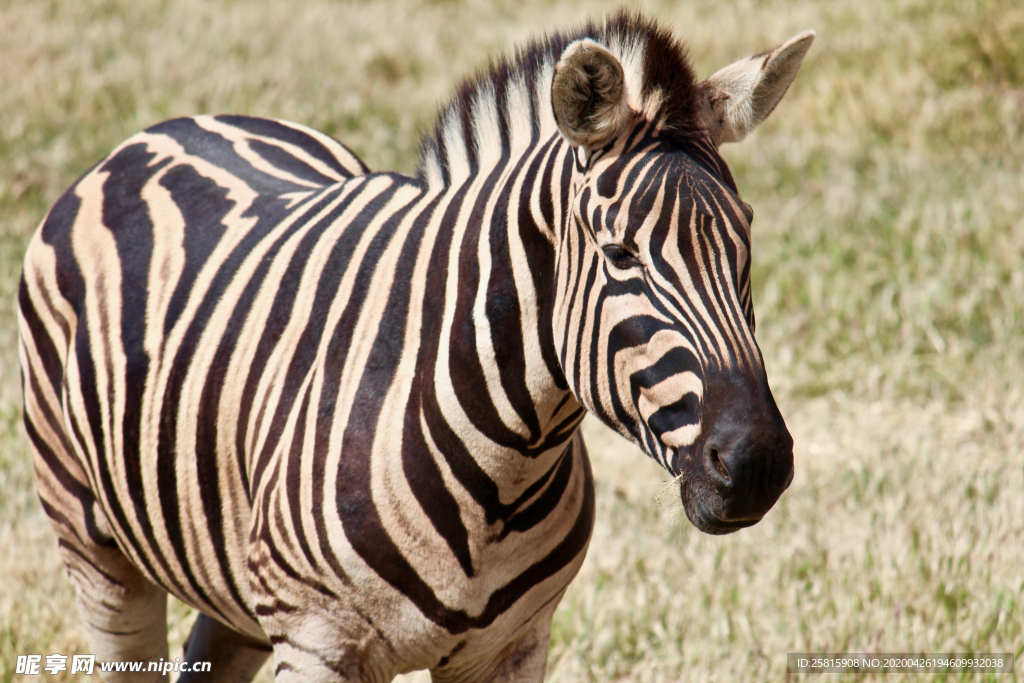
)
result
[(507, 106)]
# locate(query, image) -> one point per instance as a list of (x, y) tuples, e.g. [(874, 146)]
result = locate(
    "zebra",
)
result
[(337, 411)]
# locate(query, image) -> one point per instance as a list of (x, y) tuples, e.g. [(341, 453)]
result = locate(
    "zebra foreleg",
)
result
[(233, 657), (125, 614), (524, 660)]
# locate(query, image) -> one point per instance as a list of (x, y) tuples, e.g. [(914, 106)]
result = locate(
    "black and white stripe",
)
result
[(337, 411)]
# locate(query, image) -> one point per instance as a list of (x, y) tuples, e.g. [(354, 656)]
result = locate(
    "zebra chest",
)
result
[(449, 567)]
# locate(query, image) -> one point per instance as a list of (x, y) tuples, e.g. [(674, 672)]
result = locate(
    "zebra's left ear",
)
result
[(588, 95), (738, 98)]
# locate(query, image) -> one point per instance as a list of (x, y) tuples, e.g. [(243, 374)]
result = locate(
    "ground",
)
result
[(888, 242)]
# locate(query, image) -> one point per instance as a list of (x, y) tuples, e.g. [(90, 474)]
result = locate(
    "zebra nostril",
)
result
[(714, 466)]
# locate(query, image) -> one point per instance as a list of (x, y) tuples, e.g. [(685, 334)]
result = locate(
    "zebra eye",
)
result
[(620, 256)]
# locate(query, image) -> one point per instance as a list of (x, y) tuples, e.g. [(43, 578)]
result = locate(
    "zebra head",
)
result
[(653, 304)]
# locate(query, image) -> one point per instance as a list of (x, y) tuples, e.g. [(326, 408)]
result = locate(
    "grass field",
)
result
[(889, 287)]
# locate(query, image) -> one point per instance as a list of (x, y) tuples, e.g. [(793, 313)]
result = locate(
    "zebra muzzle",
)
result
[(738, 468)]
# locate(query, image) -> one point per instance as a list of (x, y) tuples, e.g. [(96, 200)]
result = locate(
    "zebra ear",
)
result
[(588, 95), (742, 95)]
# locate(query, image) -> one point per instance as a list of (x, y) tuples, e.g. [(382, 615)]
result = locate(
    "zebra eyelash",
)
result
[(620, 257)]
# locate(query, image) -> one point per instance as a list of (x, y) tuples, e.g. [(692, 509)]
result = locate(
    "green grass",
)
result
[(888, 189)]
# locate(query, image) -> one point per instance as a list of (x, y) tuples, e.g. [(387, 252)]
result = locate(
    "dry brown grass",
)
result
[(889, 286)]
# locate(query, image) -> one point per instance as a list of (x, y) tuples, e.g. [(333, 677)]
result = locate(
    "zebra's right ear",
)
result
[(588, 95)]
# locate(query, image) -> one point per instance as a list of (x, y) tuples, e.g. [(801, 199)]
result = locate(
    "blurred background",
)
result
[(888, 246)]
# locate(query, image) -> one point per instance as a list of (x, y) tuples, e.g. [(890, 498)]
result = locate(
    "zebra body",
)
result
[(337, 411)]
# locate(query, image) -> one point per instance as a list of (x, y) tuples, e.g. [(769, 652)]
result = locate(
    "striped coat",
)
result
[(337, 411)]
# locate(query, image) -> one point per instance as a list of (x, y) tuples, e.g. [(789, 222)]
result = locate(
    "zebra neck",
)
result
[(497, 381)]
